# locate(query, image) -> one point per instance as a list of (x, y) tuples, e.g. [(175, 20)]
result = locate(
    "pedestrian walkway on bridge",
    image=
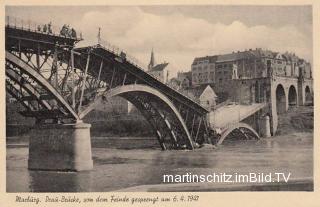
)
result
[(232, 113)]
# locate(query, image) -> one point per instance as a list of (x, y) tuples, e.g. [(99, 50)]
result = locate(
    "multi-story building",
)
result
[(203, 70), (221, 69)]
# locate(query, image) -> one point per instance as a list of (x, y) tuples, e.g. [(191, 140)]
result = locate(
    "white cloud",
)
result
[(178, 39)]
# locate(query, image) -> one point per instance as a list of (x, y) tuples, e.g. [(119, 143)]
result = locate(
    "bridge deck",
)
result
[(25, 38), (231, 114)]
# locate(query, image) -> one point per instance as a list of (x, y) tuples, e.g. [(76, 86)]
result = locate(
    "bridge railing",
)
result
[(117, 51), (49, 28)]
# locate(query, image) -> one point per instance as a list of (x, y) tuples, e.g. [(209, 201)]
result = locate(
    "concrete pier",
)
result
[(60, 147)]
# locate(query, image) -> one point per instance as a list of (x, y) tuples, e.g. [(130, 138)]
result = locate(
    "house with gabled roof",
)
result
[(158, 71), (203, 94)]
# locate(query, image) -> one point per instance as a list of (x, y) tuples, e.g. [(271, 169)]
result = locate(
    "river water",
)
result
[(125, 162)]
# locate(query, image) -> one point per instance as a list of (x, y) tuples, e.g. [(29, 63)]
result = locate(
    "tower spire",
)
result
[(152, 61), (99, 36)]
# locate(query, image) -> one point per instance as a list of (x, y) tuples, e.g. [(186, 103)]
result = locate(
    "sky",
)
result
[(178, 34)]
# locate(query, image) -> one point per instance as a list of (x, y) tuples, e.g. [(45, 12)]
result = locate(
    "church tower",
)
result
[(158, 71), (152, 61)]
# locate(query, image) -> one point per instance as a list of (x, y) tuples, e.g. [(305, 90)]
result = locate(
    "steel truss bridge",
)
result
[(59, 83)]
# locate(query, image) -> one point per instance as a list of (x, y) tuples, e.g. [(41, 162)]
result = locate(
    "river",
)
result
[(125, 162)]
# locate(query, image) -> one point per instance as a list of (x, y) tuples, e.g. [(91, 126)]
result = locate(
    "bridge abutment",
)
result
[(60, 147)]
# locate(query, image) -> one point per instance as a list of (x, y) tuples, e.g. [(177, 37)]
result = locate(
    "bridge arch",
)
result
[(292, 96), (308, 95), (27, 69), (246, 130), (159, 100), (280, 99)]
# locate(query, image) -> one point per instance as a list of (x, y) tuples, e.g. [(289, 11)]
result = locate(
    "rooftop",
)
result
[(159, 67), (239, 55)]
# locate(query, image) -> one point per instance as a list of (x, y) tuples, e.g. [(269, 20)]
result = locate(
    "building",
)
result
[(207, 97), (182, 81), (175, 83), (203, 70), (248, 64), (203, 94), (158, 71), (185, 79), (281, 80)]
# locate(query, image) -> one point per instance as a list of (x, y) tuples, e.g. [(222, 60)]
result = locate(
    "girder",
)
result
[(140, 76), (153, 120), (156, 101), (41, 97), (245, 129), (34, 94), (54, 80), (14, 92), (40, 80)]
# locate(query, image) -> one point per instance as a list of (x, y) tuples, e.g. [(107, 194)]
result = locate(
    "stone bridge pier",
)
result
[(65, 147)]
